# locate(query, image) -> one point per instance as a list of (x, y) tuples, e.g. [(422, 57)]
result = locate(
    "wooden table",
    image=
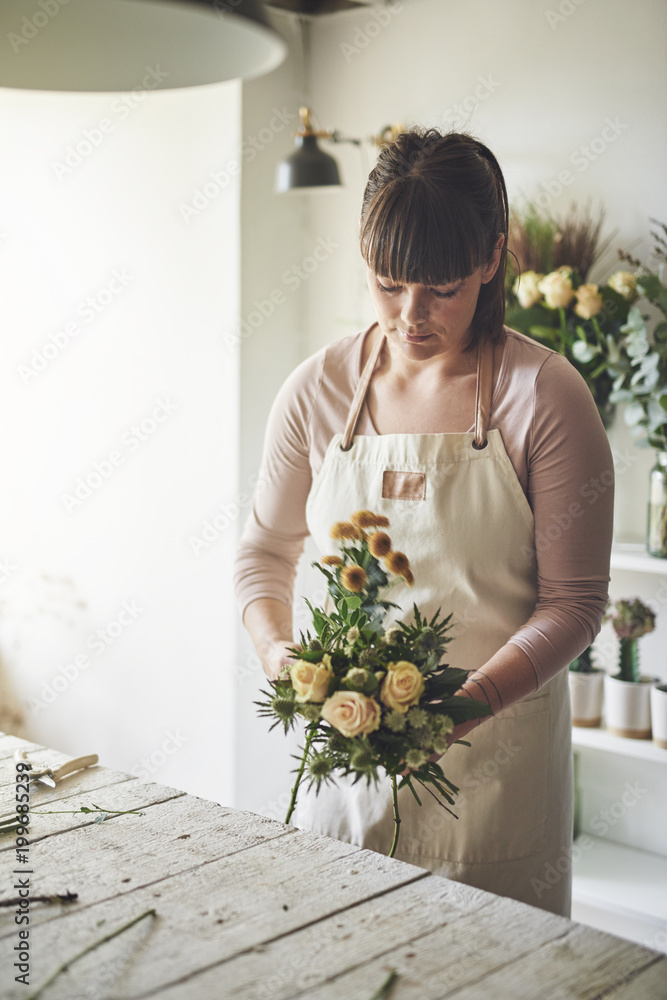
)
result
[(249, 909)]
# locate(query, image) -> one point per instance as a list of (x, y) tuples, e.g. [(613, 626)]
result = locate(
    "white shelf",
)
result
[(600, 739), (634, 557), (617, 879)]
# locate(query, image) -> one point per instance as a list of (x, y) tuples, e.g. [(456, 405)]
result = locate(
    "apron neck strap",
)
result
[(360, 395), (484, 392), (482, 397)]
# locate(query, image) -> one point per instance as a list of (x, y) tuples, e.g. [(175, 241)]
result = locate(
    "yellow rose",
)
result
[(557, 288), (526, 289), (589, 301), (352, 713), (402, 686), (311, 680), (625, 283)]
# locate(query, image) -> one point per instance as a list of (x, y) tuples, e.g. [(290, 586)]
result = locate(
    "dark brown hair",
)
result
[(433, 209)]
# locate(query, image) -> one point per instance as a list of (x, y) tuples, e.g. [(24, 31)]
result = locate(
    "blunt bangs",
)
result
[(416, 233), (433, 209)]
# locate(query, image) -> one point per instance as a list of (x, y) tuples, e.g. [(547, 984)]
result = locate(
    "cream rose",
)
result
[(557, 288), (589, 301), (311, 680), (625, 283), (402, 686), (352, 713), (526, 288)]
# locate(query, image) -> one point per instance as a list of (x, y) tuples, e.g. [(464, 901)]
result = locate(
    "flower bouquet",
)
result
[(376, 700)]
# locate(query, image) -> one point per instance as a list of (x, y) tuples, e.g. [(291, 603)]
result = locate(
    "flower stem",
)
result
[(91, 947), (299, 775), (397, 818), (384, 988)]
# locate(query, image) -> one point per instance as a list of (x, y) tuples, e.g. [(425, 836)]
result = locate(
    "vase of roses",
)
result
[(551, 298), (377, 702)]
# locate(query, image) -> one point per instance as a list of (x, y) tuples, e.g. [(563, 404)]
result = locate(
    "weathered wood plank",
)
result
[(584, 964), (650, 983), (506, 951), (54, 810), (433, 931), (125, 852), (219, 910), (398, 927), (9, 743)]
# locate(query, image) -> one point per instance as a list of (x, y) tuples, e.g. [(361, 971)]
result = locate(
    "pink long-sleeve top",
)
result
[(556, 443)]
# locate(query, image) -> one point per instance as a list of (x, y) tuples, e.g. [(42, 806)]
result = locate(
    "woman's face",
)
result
[(426, 320)]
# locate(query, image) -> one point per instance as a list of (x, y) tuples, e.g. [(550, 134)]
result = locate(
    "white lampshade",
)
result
[(112, 45)]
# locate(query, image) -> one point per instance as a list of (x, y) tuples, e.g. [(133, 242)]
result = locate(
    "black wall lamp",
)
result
[(309, 166)]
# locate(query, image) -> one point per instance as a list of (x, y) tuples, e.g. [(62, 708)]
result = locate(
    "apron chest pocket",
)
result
[(403, 485)]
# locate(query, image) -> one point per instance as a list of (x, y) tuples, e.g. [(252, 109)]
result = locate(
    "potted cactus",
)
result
[(586, 687), (627, 693)]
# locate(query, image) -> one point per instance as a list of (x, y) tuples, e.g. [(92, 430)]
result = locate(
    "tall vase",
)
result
[(657, 508)]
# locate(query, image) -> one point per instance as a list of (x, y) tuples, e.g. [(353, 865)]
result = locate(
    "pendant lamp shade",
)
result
[(119, 45), (308, 167)]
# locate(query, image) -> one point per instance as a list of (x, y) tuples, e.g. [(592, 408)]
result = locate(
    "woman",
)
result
[(482, 447)]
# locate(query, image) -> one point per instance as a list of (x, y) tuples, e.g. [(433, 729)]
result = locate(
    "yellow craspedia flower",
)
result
[(367, 519), (353, 578), (332, 560), (343, 529), (399, 564), (379, 544)]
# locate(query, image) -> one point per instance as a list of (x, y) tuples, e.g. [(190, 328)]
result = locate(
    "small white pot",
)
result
[(586, 698), (628, 707), (659, 714)]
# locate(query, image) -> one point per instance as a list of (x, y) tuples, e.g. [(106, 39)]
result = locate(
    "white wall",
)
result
[(536, 88), (141, 372)]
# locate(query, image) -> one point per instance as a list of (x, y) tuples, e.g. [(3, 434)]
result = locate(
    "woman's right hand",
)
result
[(269, 623), (275, 656)]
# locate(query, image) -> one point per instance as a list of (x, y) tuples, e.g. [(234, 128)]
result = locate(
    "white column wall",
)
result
[(120, 272)]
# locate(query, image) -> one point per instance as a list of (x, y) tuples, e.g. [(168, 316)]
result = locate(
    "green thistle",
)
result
[(358, 679), (281, 704), (427, 641), (393, 634), (320, 767), (369, 658), (362, 761), (417, 717), (396, 721), (441, 724), (423, 735), (310, 711), (415, 758)]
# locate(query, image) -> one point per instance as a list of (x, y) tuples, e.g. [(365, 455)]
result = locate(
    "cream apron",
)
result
[(459, 513)]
